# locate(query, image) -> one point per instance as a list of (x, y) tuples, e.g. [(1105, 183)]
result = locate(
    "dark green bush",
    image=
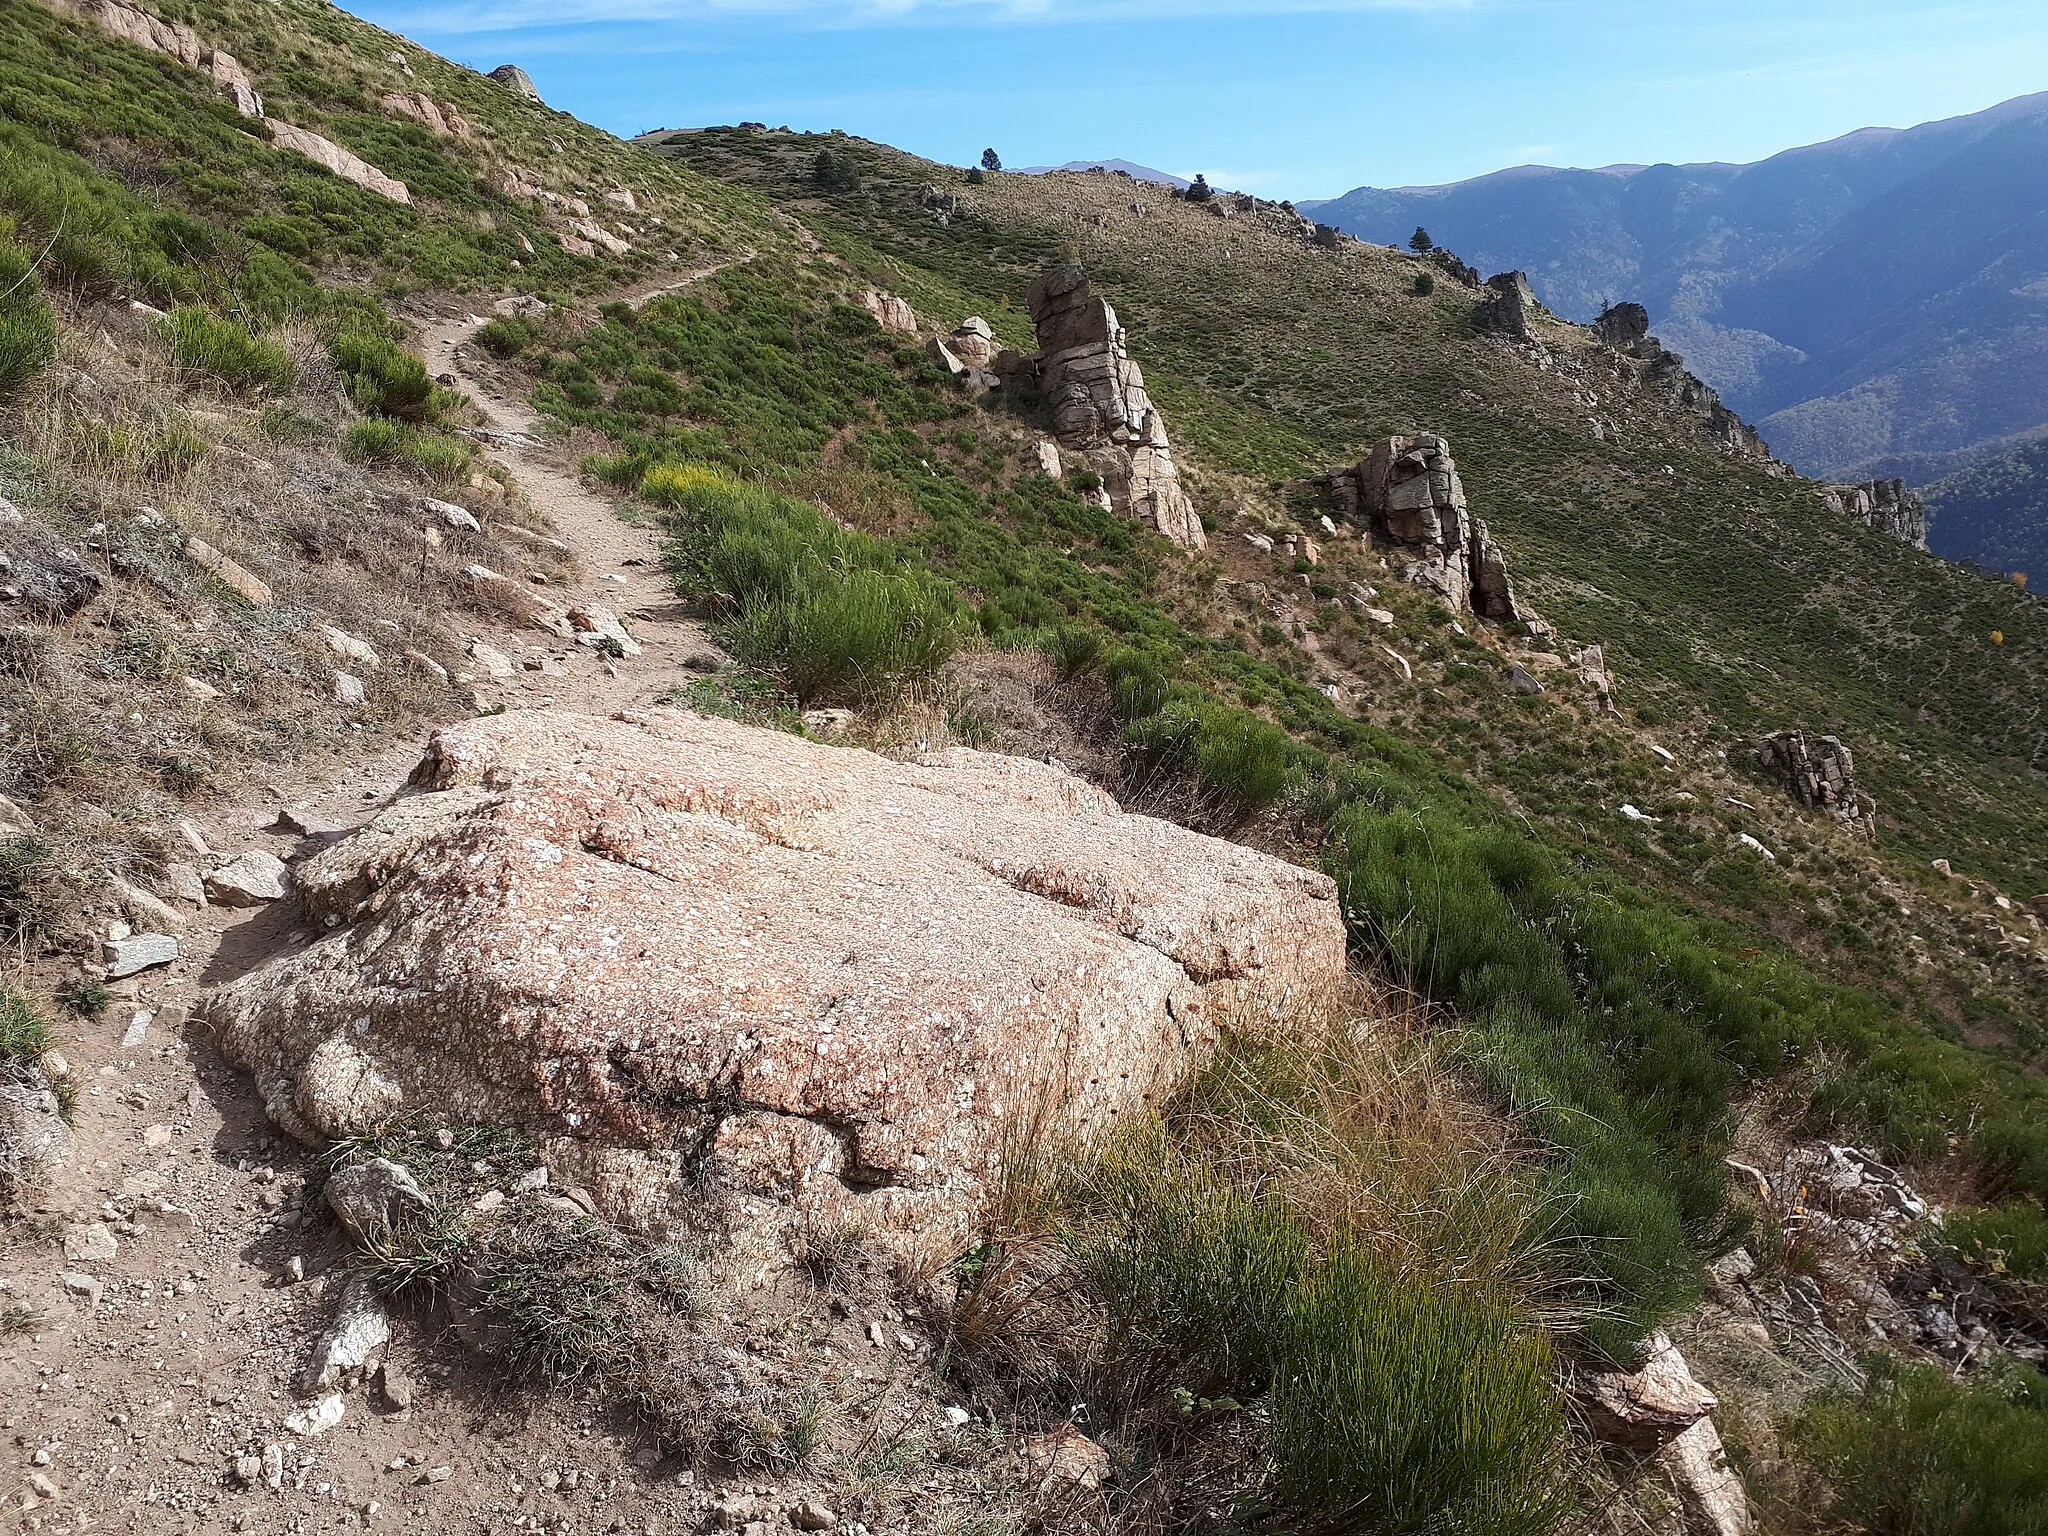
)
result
[(28, 327), (1918, 1454), (1073, 649), (832, 613), (2011, 1239), (204, 345), (383, 378)]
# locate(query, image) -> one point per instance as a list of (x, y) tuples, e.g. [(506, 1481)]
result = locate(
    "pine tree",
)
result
[(991, 161), (1419, 242), (1200, 191)]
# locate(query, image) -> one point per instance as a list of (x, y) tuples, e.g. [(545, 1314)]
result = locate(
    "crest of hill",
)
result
[(1129, 168)]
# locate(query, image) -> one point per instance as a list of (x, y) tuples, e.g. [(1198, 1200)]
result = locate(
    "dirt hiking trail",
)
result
[(162, 1302)]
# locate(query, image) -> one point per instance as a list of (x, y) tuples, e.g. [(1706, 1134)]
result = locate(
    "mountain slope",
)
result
[(1994, 514), (1881, 295), (1646, 947)]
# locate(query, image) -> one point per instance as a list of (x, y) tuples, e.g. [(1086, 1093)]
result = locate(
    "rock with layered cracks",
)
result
[(1409, 501), (1889, 506), (1095, 394), (1820, 773), (675, 949)]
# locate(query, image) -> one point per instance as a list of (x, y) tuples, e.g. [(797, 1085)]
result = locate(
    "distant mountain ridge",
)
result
[(1130, 168), (1876, 301)]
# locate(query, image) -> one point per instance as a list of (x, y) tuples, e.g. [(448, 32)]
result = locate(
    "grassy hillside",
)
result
[(863, 534), (1728, 602)]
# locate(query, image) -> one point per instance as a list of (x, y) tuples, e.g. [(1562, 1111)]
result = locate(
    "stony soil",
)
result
[(169, 1322)]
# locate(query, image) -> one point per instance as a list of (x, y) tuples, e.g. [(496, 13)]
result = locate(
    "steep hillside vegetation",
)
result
[(1994, 514), (1795, 285), (1343, 1279)]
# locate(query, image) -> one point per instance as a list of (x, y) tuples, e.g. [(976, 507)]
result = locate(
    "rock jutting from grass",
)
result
[(1889, 506), (1408, 499), (1820, 773), (683, 954), (1099, 407)]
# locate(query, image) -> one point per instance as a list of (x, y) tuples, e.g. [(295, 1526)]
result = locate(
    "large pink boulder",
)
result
[(661, 940)]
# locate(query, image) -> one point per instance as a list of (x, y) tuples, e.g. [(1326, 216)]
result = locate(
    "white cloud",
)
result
[(467, 16)]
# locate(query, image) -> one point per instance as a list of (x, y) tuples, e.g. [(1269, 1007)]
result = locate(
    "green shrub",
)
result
[(1395, 1402), (206, 345), (383, 378), (439, 457), (1917, 1454), (832, 613), (28, 326), (1073, 649), (505, 337), (1424, 285)]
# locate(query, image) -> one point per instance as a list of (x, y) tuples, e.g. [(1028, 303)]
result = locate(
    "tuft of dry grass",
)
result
[(1317, 1284)]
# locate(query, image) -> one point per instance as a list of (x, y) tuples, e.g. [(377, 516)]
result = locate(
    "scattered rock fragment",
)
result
[(494, 661), (186, 883), (600, 629), (349, 648), (371, 1197), (1066, 1456), (249, 588), (353, 1342), (90, 1242), (254, 878), (138, 952), (35, 1140), (348, 689), (316, 1418)]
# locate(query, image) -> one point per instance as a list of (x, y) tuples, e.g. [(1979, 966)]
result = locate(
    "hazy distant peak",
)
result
[(1129, 167)]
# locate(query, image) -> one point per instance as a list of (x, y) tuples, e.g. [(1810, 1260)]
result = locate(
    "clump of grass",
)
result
[(1918, 1454), (204, 345), (831, 613), (1302, 1235), (436, 456), (742, 696), (26, 877), (1074, 649), (28, 326), (24, 1035), (16, 1320)]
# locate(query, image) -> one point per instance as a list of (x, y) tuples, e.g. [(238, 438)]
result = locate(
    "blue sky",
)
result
[(1288, 98)]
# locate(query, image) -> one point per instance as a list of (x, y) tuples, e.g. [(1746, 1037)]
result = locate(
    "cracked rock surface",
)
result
[(661, 942)]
